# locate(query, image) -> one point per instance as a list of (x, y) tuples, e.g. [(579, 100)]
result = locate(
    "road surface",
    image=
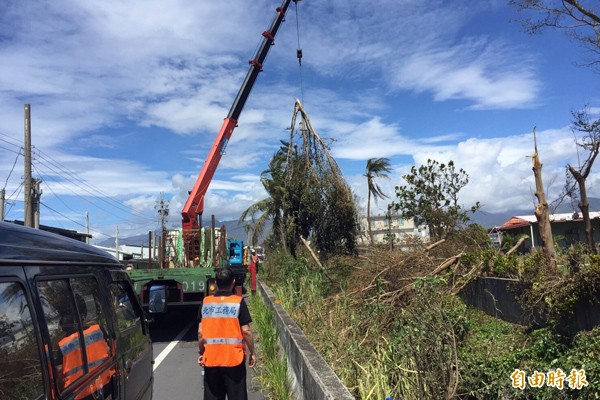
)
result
[(176, 371)]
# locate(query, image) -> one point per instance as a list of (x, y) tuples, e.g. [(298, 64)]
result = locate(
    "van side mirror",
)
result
[(157, 301)]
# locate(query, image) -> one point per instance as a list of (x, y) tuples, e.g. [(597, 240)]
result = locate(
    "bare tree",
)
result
[(542, 213), (590, 142), (577, 18)]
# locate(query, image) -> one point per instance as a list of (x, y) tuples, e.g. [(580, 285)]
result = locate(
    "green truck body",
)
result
[(185, 281)]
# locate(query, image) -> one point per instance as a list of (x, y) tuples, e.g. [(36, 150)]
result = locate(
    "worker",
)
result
[(96, 350), (224, 334), (255, 259), (253, 269)]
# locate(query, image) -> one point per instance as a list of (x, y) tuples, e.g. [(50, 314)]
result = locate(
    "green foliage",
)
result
[(305, 200), (272, 368), (431, 197), (416, 349), (488, 355), (508, 241), (376, 168)]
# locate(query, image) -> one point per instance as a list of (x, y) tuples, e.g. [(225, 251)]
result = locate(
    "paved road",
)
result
[(176, 371)]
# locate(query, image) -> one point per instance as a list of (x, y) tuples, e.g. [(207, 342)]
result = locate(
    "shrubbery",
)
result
[(429, 344)]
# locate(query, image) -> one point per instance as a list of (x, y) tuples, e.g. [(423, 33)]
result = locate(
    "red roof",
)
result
[(513, 223)]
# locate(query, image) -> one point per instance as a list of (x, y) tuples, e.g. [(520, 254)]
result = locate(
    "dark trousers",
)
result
[(222, 381)]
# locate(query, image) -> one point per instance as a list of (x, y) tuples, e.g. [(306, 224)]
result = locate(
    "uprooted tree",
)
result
[(270, 208), (308, 196), (317, 203), (431, 197)]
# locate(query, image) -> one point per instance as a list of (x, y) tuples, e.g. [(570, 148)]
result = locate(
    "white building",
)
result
[(130, 252), (384, 227)]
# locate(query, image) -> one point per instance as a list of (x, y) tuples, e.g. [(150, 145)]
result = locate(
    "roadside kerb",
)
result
[(311, 376)]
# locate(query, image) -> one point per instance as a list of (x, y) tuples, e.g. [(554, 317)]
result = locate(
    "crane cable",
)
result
[(299, 53)]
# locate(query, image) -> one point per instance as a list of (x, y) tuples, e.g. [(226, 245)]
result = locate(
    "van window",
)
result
[(20, 364), (77, 327), (128, 316)]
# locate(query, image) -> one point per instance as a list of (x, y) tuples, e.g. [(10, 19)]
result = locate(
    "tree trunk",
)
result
[(282, 236), (584, 206), (369, 218), (541, 209)]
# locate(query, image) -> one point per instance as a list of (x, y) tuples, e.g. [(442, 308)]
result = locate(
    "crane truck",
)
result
[(195, 251)]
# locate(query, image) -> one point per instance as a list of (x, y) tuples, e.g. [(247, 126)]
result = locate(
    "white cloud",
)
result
[(475, 70), (499, 169), (89, 69)]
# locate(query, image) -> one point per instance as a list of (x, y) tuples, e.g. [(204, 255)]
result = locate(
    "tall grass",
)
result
[(272, 364), (348, 338), (429, 346)]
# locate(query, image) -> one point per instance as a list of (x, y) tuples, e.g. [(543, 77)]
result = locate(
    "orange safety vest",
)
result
[(97, 353), (221, 331)]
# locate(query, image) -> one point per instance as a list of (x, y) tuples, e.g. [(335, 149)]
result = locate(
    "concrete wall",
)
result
[(497, 297), (311, 377)]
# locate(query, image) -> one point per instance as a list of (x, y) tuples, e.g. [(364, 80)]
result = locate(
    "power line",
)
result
[(65, 217), (91, 190), (85, 199), (13, 141), (12, 169), (14, 202)]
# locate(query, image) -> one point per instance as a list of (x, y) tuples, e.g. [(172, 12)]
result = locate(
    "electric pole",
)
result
[(163, 213), (87, 227), (2, 197), (28, 217), (117, 243), (35, 201)]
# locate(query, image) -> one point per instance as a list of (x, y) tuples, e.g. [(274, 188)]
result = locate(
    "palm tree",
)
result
[(376, 168), (270, 208)]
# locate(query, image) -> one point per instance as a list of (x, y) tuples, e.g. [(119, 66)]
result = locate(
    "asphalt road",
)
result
[(177, 375)]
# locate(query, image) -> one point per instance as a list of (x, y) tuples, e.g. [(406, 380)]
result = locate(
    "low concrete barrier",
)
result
[(311, 376), (498, 297)]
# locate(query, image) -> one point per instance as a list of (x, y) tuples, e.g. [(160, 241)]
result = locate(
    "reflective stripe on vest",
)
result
[(97, 353), (221, 331), (223, 341)]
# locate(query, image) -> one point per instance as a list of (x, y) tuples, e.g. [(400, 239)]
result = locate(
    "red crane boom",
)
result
[(194, 206)]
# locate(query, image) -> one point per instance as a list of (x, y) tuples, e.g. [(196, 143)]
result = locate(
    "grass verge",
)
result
[(272, 364)]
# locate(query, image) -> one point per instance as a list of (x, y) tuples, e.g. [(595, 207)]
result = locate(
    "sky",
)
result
[(127, 98)]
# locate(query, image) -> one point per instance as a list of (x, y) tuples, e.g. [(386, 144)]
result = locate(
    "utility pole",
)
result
[(35, 201), (388, 216), (149, 250), (28, 217), (117, 243), (87, 227), (2, 197), (163, 212)]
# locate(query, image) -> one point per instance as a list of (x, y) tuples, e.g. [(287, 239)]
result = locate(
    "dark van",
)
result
[(71, 326)]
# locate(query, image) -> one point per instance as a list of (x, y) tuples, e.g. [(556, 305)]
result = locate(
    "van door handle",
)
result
[(128, 364)]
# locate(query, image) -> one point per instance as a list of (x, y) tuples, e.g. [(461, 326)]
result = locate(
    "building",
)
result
[(567, 228), (384, 227), (80, 237), (129, 252)]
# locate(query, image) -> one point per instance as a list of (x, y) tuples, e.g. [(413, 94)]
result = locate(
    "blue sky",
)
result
[(127, 97)]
